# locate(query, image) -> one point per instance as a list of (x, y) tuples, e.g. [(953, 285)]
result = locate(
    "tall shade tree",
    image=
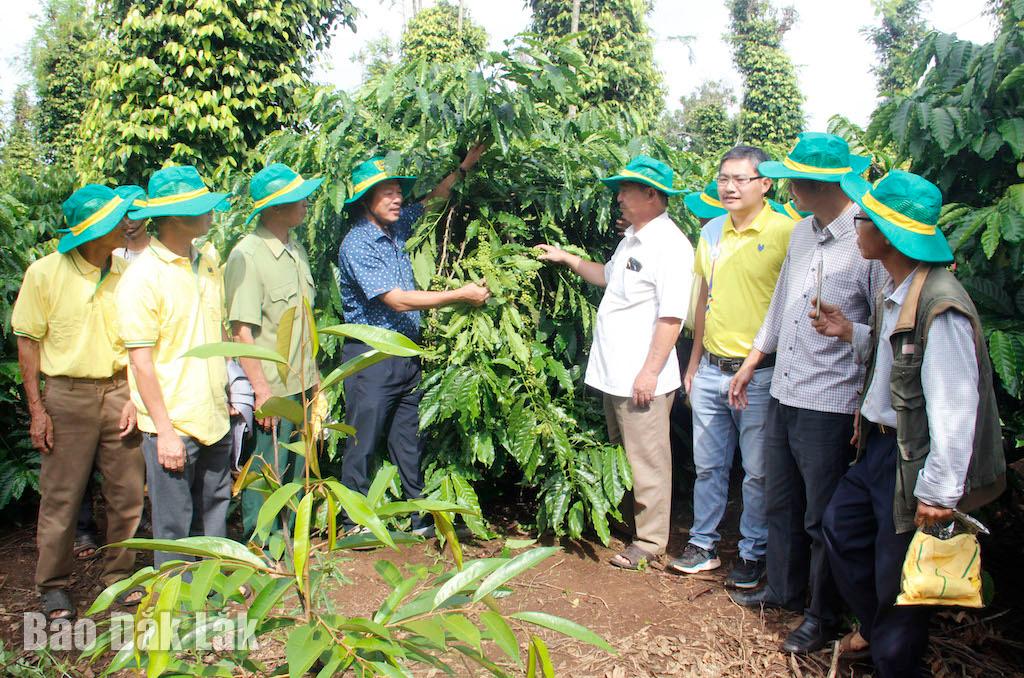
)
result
[(771, 110), (441, 34), (619, 49), (199, 81), (20, 153), (707, 123), (900, 31), (62, 70)]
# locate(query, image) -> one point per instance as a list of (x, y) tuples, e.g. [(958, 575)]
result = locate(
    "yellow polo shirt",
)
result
[(67, 305), (741, 268), (174, 304)]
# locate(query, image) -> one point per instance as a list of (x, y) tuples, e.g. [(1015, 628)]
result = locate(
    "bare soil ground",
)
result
[(659, 623)]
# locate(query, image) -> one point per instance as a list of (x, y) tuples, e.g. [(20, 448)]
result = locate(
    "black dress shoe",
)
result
[(760, 598), (810, 636)]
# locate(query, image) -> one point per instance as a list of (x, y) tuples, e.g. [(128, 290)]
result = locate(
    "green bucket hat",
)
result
[(90, 213), (179, 192), (369, 173), (705, 204), (645, 170), (788, 209), (905, 207), (136, 195), (278, 184), (818, 157)]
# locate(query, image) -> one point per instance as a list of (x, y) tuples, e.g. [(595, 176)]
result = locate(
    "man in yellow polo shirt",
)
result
[(170, 302), (738, 261), (66, 326)]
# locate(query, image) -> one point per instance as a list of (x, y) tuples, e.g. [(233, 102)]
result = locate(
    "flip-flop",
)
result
[(633, 558), (846, 650), (123, 597), (58, 600), (86, 542)]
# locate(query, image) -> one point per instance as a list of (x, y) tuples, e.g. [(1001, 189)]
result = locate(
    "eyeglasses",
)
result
[(857, 220), (740, 181)]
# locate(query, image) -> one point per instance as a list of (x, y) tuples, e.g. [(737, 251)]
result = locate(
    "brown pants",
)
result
[(86, 415), (644, 433)]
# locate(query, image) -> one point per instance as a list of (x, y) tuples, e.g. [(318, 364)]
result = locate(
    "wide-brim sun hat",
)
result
[(705, 204), (278, 184), (136, 195), (646, 170), (179, 191), (905, 207), (91, 212), (817, 157), (788, 209), (369, 173)]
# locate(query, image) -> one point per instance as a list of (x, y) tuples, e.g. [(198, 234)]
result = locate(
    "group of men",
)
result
[(833, 349), (790, 310), (106, 321)]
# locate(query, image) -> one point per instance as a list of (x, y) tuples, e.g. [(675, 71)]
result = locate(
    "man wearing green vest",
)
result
[(268, 273), (929, 439)]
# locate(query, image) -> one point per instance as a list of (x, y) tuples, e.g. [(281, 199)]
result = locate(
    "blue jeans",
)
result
[(716, 429)]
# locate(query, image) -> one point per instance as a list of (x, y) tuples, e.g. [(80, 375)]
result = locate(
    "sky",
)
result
[(833, 79)]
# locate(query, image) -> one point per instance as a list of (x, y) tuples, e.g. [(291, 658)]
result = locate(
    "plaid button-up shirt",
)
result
[(812, 371)]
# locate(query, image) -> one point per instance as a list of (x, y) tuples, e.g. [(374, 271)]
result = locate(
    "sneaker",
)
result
[(746, 574), (695, 559), (425, 531)]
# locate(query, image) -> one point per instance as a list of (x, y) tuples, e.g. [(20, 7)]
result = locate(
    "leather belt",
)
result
[(734, 364), (880, 429), (120, 375)]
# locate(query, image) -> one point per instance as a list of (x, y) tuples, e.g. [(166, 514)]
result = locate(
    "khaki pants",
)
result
[(86, 414), (644, 433)]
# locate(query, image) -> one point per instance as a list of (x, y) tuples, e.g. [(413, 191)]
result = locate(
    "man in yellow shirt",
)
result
[(171, 301), (738, 259), (66, 326)]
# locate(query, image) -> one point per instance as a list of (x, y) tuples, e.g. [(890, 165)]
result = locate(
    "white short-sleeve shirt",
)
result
[(649, 277)]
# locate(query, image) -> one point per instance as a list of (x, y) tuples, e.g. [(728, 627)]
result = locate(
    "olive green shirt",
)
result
[(263, 278)]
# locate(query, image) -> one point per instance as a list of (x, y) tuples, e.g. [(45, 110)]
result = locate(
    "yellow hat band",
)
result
[(656, 184), (896, 218), (711, 201), (366, 183), (791, 211), (97, 216), (291, 186), (181, 197), (810, 169)]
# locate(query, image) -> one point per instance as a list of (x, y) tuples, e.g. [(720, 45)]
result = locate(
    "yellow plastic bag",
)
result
[(942, 571)]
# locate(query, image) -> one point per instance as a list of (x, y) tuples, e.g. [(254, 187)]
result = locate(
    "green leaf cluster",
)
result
[(434, 35), (614, 38), (771, 109), (198, 82)]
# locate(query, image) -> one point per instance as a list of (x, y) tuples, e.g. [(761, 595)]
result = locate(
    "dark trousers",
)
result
[(806, 453), (191, 502), (867, 559), (382, 402)]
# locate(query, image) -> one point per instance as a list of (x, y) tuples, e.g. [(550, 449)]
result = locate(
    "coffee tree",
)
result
[(504, 402)]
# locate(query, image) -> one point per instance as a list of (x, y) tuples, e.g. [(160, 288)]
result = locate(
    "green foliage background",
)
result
[(432, 35), (618, 48), (771, 110), (198, 82)]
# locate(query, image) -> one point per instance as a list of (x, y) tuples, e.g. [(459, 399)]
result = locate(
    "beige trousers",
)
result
[(86, 415), (644, 433)]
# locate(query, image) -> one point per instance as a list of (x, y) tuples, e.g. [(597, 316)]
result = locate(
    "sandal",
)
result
[(124, 598), (633, 558), (86, 546), (57, 600), (847, 649)]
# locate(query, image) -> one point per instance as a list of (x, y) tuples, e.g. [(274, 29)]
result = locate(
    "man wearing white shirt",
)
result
[(632, 359)]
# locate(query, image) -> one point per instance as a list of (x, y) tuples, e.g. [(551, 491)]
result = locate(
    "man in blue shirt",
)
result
[(377, 288)]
